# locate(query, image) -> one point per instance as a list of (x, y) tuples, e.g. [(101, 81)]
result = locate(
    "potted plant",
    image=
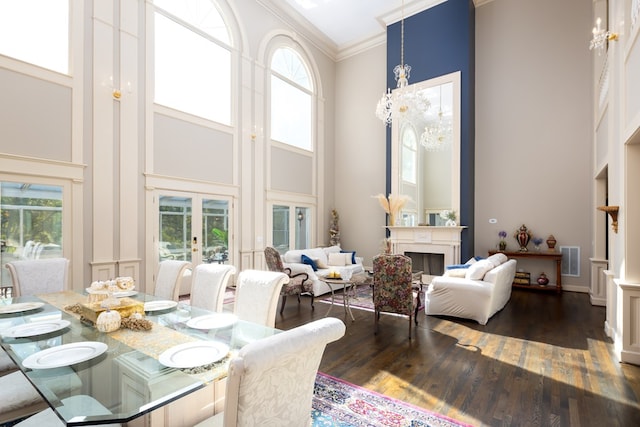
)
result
[(502, 244)]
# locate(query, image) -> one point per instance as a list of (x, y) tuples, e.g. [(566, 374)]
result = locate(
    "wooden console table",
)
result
[(549, 256)]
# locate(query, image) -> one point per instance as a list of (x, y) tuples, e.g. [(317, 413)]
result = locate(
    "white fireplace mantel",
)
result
[(428, 240)]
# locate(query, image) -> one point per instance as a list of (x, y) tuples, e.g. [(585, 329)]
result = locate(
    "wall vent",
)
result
[(570, 260)]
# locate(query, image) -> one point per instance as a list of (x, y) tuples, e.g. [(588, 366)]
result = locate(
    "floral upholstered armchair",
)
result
[(393, 287), (298, 283)]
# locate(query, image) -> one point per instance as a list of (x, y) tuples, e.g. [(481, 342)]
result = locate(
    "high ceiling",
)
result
[(351, 22)]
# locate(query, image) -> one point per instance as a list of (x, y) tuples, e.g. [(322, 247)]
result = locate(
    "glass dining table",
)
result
[(131, 371)]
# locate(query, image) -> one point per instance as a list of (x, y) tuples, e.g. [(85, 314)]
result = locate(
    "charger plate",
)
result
[(193, 354), (65, 355), (35, 328), (159, 305), (20, 307), (213, 321)]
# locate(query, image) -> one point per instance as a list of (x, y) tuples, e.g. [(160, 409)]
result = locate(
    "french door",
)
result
[(194, 228)]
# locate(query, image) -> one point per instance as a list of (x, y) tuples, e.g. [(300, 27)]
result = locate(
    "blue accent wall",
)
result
[(439, 41)]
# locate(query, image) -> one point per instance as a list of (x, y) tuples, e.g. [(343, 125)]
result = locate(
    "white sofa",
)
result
[(475, 291), (322, 257)]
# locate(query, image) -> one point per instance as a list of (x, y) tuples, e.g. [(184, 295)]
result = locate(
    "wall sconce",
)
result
[(300, 217), (613, 213), (117, 92), (600, 37)]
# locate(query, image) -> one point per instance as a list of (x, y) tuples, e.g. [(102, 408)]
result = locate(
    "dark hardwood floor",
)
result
[(543, 360)]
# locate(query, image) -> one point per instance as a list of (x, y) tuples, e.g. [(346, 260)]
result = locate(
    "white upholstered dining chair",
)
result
[(19, 399), (257, 293), (168, 279), (32, 277), (209, 282), (276, 373), (47, 418)]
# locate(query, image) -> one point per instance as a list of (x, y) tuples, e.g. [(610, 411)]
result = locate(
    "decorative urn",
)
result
[(543, 280), (523, 236)]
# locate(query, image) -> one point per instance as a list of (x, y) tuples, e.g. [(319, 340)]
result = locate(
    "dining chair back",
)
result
[(32, 277), (168, 279), (393, 287), (298, 283), (209, 283), (277, 373), (257, 293)]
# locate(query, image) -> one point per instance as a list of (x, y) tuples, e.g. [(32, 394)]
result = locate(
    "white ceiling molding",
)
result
[(303, 26)]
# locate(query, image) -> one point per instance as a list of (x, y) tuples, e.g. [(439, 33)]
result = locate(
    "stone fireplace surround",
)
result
[(427, 240)]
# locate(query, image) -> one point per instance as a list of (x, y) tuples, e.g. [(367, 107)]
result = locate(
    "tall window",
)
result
[(192, 59), (291, 224), (291, 99), (36, 31)]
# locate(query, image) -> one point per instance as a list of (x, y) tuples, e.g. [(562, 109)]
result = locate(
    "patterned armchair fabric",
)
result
[(392, 287), (298, 283)]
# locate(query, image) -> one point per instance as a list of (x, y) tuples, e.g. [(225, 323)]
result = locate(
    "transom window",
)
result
[(291, 98), (192, 59), (36, 31)]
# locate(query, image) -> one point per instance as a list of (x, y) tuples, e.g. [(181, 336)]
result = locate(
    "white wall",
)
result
[(360, 151)]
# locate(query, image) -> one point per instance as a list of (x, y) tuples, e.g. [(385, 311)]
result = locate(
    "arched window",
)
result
[(409, 155), (291, 99), (36, 31), (192, 59)]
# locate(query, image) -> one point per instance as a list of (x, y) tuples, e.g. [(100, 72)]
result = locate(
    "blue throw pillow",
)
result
[(456, 266), (353, 256), (309, 261)]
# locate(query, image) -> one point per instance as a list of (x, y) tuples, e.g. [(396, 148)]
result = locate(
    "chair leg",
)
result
[(376, 317), (312, 297), (284, 300)]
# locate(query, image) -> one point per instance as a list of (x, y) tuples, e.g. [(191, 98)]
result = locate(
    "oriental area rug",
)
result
[(337, 403), (361, 298)]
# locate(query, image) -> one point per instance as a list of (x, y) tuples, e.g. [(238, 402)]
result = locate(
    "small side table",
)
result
[(348, 289)]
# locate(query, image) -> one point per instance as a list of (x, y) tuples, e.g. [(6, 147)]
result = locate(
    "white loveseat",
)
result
[(476, 291), (324, 262)]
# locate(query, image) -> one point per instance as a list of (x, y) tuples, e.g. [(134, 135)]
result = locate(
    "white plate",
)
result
[(159, 305), (213, 321), (117, 294), (35, 328), (193, 354), (65, 355), (19, 307), (122, 294)]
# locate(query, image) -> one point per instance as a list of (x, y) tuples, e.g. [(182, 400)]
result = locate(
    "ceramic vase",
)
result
[(523, 236), (551, 242), (543, 280)]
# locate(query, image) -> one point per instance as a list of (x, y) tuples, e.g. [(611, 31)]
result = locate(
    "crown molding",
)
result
[(355, 48), (303, 27), (479, 3)]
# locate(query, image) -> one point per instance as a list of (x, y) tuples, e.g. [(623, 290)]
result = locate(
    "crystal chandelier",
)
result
[(403, 101), (439, 135), (600, 37)]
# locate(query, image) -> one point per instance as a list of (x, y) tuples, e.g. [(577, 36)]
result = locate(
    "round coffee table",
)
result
[(347, 289)]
